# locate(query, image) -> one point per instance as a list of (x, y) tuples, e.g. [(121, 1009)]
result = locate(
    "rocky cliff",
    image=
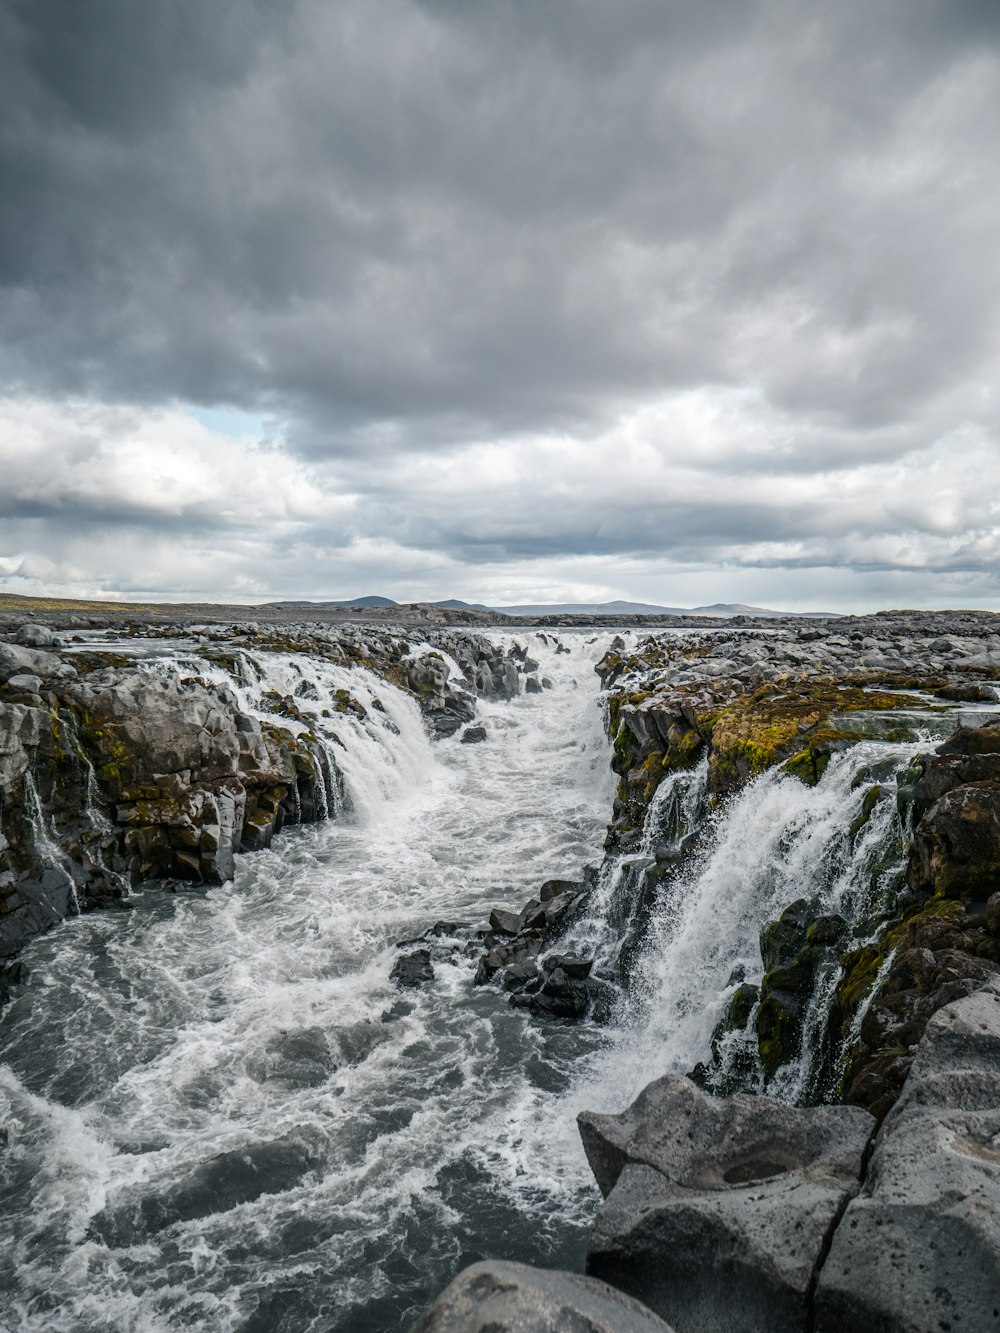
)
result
[(729, 1213), (112, 774)]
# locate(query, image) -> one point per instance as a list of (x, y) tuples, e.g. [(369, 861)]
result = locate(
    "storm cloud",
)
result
[(505, 301)]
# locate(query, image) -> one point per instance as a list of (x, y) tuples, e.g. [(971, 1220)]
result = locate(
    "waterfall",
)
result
[(365, 728), (248, 1124), (225, 1116), (618, 908), (50, 855), (839, 844)]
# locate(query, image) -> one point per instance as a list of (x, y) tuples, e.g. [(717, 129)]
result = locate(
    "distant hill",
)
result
[(619, 608), (354, 601)]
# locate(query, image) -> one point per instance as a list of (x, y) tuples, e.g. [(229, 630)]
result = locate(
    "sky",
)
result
[(501, 300)]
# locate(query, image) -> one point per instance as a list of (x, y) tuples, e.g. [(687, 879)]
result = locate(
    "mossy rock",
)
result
[(789, 726), (345, 702), (781, 940), (871, 799), (779, 1029)]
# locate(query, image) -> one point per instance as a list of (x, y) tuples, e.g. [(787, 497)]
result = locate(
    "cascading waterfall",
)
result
[(365, 729), (618, 908), (51, 857), (773, 843), (221, 1114)]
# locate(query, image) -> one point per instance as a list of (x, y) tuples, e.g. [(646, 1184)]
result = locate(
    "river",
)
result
[(218, 1111)]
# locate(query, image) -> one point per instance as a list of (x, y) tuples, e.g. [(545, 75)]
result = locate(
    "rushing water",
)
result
[(220, 1114)]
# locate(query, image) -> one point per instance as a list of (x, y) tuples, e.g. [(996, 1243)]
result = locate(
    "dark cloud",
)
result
[(408, 229), (480, 218)]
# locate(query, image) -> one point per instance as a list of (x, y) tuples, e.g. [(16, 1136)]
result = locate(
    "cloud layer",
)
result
[(679, 302)]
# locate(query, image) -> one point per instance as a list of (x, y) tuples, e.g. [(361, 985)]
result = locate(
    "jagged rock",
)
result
[(413, 969), (500, 1297), (560, 995), (521, 977), (577, 968), (505, 923), (956, 846), (532, 686), (718, 1211), (919, 1248), (473, 735), (934, 957), (527, 944)]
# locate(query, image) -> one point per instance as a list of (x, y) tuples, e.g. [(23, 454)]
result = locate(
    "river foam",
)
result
[(209, 1123)]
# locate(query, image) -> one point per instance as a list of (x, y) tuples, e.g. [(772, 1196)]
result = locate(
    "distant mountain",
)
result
[(452, 604), (619, 608), (741, 609), (355, 601)]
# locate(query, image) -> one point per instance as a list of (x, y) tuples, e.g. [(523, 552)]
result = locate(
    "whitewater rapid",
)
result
[(219, 1112)]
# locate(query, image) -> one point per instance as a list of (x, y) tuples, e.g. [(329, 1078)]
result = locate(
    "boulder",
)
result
[(412, 969), (24, 684), (515, 1298), (505, 923), (37, 636), (919, 1248), (577, 968), (718, 1211), (473, 735), (17, 661)]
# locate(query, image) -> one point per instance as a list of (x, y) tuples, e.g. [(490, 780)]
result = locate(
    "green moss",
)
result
[(861, 967), (790, 726), (871, 799)]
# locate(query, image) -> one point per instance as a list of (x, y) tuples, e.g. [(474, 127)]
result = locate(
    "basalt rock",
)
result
[(936, 955), (794, 949), (413, 969), (559, 986), (919, 1247), (718, 1212), (119, 776), (516, 938), (500, 1297)]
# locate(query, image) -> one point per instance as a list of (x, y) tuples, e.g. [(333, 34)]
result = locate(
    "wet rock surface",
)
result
[(111, 775), (718, 1212), (792, 698), (556, 986), (499, 1297)]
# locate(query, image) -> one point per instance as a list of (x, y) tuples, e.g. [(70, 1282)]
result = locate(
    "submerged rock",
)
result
[(718, 1211), (413, 969), (500, 1297)]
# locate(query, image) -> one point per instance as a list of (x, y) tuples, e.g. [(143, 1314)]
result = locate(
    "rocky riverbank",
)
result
[(747, 703), (112, 775), (736, 1212), (860, 1189)]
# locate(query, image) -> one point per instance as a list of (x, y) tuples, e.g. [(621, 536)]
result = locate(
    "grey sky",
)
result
[(503, 300)]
